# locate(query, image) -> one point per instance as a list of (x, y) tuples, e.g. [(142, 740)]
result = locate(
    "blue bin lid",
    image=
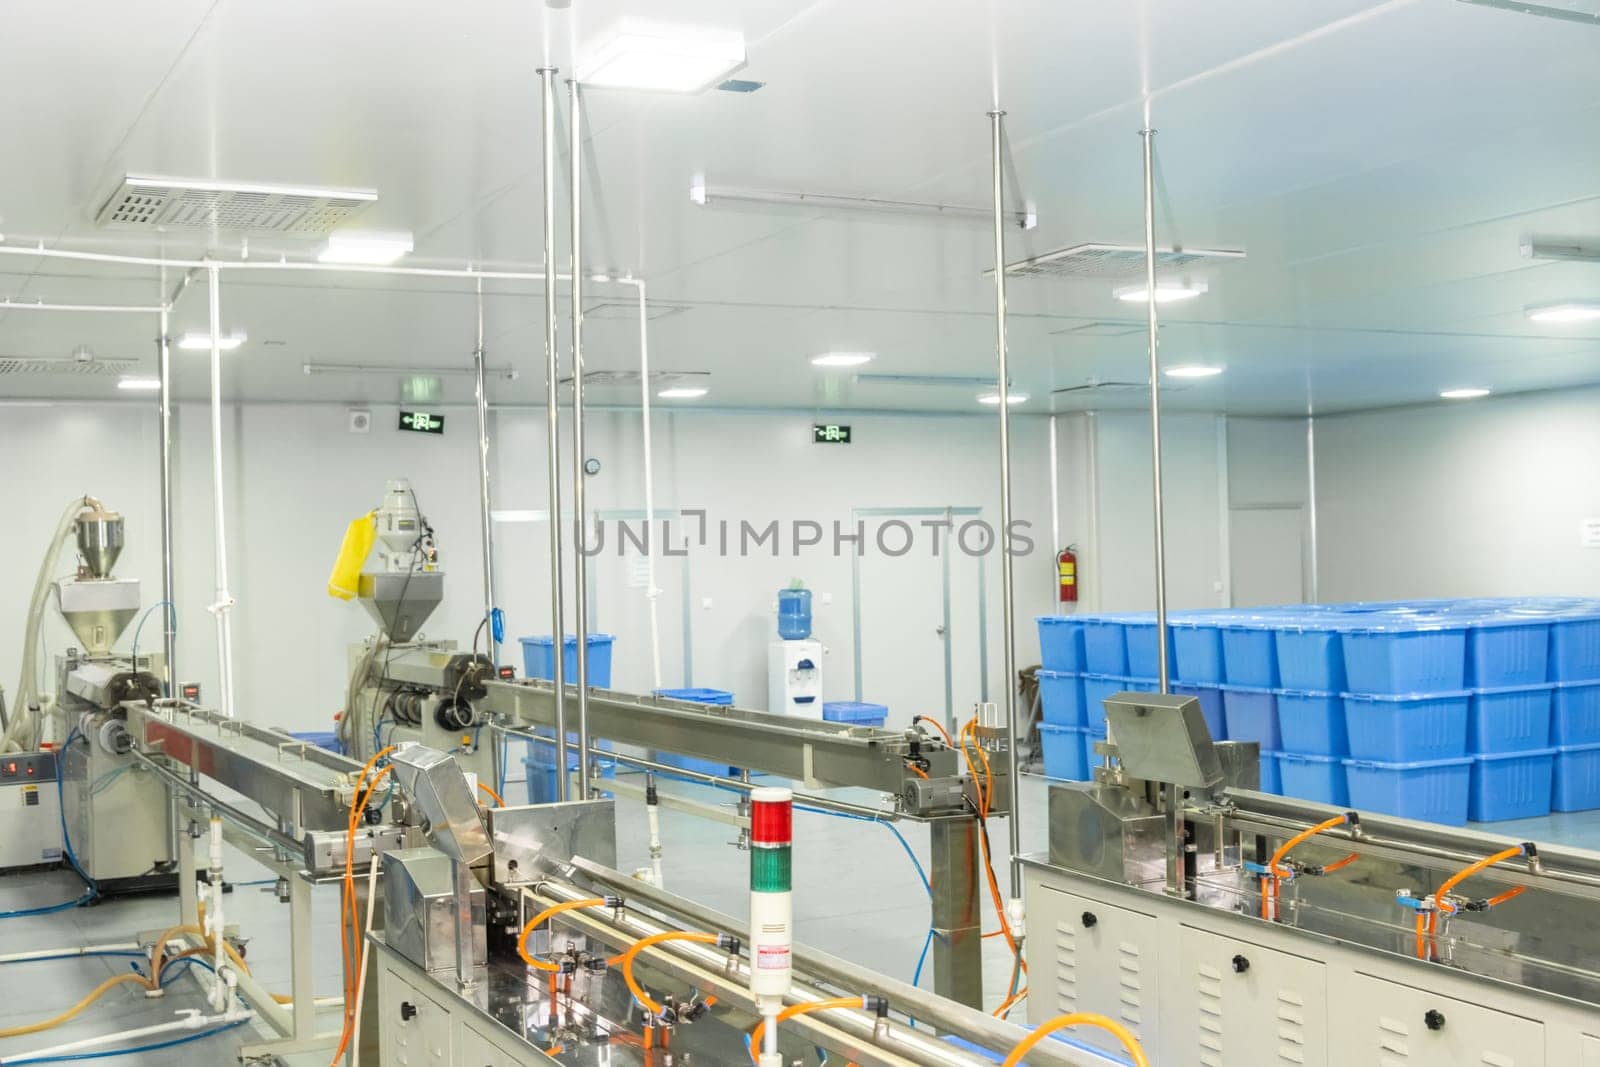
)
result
[(1304, 757), (1046, 672), (1567, 750), (1059, 620), (570, 641), (1308, 694), (1408, 698), (1412, 765), (1052, 728), (697, 696), (1496, 690), (1532, 753), (852, 711)]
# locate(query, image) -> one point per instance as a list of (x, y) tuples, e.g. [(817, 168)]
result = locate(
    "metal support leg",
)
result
[(188, 888), (301, 969), (957, 920)]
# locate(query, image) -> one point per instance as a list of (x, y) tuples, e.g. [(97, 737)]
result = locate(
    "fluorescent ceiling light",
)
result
[(1194, 370), (842, 359), (665, 59), (198, 342), (717, 195), (141, 384), (681, 393), (993, 399), (366, 249), (1465, 393), (1572, 311), (1166, 292)]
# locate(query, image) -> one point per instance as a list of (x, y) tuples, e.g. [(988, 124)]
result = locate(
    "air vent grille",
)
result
[(148, 203), (80, 367), (1112, 262)]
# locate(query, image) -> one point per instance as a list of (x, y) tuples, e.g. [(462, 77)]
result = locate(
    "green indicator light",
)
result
[(771, 870)]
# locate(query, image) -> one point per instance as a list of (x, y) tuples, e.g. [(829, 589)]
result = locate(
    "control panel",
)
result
[(23, 767)]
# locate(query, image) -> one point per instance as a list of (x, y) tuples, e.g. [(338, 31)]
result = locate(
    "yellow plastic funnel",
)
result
[(358, 539)]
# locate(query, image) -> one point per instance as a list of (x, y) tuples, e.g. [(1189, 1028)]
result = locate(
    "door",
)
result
[(415, 1029), (1251, 1004), (1095, 957), (1393, 1025), (1267, 555)]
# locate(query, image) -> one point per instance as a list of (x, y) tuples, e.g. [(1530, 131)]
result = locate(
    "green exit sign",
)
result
[(421, 422), (830, 434)]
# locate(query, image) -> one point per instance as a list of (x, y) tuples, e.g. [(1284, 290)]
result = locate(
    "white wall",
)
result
[(1482, 498)]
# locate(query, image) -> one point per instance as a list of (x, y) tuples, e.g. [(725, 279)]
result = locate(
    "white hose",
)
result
[(361, 979), (25, 727), (188, 1020), (652, 812)]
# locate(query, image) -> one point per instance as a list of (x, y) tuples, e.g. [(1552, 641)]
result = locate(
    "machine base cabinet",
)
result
[(425, 1023), (415, 1029), (1211, 987)]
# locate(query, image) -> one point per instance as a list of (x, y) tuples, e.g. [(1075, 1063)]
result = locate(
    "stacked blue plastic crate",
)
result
[(1434, 710)]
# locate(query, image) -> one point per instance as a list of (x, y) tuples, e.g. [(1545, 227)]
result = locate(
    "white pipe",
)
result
[(222, 990), (76, 950), (652, 593), (26, 729), (1055, 504), (188, 1020), (224, 602), (361, 954), (652, 809), (9, 304)]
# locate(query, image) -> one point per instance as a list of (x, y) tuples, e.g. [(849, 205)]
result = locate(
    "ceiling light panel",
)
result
[(141, 385), (1113, 261), (365, 249), (682, 393), (1193, 370), (201, 342), (842, 359), (1012, 399), (1167, 292), (1572, 311), (1464, 393), (661, 59), (143, 202)]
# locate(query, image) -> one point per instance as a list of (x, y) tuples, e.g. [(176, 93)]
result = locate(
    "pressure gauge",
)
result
[(591, 466)]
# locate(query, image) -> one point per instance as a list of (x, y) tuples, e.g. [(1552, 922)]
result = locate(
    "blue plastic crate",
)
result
[(854, 712), (324, 739), (1061, 643), (1197, 651), (1312, 777), (1065, 752), (1061, 699), (1513, 719), (1310, 656), (698, 696), (1575, 714), (1105, 649), (696, 765), (1401, 657), (1506, 651), (1576, 782), (1210, 697), (1249, 657), (539, 772), (1511, 785), (1097, 687), (1429, 790), (1252, 715), (1575, 649), (1271, 775), (1406, 729), (1312, 722), (538, 659), (1144, 660)]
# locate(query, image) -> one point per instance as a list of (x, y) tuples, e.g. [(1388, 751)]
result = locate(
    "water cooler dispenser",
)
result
[(794, 663)]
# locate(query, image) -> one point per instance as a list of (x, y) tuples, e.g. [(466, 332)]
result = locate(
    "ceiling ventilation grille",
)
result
[(147, 203), (1112, 262), (81, 367)]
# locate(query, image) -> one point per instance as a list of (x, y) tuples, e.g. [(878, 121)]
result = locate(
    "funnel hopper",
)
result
[(401, 603), (98, 609), (99, 534)]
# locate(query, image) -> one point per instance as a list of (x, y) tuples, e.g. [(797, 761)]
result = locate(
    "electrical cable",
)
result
[(61, 810), (49, 909), (113, 952), (172, 613)]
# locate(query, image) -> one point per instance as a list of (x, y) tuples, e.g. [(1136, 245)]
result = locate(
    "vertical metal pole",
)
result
[(580, 514), (558, 633), (169, 633), (1311, 505), (1175, 829), (485, 522), (1007, 592), (224, 602)]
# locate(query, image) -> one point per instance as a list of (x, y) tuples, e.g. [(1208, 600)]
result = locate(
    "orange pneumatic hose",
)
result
[(801, 1009), (539, 920), (1269, 881), (644, 999), (1467, 872), (1079, 1018)]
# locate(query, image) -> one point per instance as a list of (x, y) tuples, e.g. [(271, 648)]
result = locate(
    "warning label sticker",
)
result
[(772, 957)]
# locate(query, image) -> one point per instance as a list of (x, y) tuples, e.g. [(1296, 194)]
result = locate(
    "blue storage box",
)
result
[(1061, 700), (1513, 719), (1144, 659), (1511, 785), (1252, 715), (1210, 697), (1061, 643), (1197, 651), (1575, 714), (1249, 657), (1312, 723), (1404, 729), (698, 696), (1576, 782), (1271, 776), (1402, 657), (1065, 752), (1575, 649), (1097, 687), (1310, 657), (1429, 790), (538, 660), (324, 739), (1507, 651), (1311, 777), (697, 765), (1105, 649), (854, 712)]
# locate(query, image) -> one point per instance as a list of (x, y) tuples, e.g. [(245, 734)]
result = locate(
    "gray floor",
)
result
[(856, 895)]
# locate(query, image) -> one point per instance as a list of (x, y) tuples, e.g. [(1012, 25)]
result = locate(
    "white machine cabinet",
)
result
[(1101, 958), (415, 1028), (1251, 1004), (475, 1048), (1394, 1025)]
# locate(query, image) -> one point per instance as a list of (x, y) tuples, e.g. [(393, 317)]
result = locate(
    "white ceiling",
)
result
[(1380, 161)]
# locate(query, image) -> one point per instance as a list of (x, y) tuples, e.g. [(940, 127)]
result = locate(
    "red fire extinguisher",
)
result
[(1067, 574)]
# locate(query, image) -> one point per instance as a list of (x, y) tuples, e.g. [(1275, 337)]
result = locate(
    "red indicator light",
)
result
[(771, 816)]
